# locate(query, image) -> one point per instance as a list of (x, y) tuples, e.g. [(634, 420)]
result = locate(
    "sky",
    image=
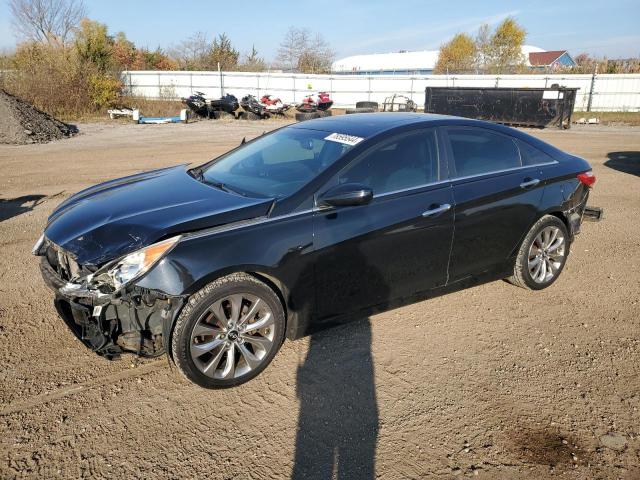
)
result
[(367, 26)]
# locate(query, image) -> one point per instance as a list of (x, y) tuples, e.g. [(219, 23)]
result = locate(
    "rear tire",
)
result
[(542, 254), (373, 105), (301, 117), (228, 332)]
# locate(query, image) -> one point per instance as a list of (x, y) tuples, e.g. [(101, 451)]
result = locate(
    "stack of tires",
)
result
[(302, 116), (363, 107)]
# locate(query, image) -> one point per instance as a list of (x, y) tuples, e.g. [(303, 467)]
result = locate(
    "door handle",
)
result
[(532, 182), (437, 210)]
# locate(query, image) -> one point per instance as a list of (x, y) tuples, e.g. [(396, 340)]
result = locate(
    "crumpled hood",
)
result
[(117, 217)]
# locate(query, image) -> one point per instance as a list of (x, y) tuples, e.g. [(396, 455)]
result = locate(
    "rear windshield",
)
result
[(276, 165)]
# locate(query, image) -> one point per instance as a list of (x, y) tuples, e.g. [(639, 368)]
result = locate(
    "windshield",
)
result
[(275, 165)]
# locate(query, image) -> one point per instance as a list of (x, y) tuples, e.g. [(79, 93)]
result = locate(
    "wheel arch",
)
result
[(264, 275), (555, 212)]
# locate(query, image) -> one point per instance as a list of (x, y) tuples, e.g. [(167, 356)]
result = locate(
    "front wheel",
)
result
[(542, 255), (228, 332)]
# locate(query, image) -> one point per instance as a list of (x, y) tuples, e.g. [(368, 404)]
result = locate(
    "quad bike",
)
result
[(274, 106), (315, 102), (253, 109)]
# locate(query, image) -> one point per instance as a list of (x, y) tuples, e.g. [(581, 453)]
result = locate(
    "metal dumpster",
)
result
[(532, 107)]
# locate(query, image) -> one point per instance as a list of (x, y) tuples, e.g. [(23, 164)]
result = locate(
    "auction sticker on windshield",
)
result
[(344, 138)]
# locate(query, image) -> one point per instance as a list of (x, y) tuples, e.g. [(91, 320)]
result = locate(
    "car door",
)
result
[(394, 246), (496, 199)]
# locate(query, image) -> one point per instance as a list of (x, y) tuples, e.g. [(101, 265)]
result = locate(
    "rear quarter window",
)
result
[(531, 155)]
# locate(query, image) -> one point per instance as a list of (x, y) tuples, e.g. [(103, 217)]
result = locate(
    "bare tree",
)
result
[(317, 56), (191, 54), (306, 52), (46, 21), (292, 47), (483, 47)]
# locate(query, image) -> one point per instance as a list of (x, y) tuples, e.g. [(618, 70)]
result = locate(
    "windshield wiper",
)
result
[(198, 174), (220, 186)]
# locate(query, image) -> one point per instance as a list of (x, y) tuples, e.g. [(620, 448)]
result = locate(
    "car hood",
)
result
[(117, 217)]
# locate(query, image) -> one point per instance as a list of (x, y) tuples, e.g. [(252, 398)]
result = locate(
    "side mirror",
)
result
[(348, 194)]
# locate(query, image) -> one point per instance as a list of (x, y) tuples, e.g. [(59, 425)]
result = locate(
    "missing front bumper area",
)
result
[(135, 321)]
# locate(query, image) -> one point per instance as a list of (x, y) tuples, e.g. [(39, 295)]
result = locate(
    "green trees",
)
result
[(223, 53)]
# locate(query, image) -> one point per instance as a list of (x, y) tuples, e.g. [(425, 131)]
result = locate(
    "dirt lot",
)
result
[(492, 381)]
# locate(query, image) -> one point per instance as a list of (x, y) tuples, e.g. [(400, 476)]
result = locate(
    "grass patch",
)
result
[(611, 118)]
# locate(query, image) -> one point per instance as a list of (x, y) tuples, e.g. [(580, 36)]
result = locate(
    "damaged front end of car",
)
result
[(102, 305)]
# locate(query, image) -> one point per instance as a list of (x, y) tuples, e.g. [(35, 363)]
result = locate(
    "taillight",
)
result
[(587, 178)]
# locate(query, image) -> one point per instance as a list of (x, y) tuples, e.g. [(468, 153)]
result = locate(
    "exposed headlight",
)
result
[(137, 263)]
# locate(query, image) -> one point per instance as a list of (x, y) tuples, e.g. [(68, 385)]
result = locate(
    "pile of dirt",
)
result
[(22, 123)]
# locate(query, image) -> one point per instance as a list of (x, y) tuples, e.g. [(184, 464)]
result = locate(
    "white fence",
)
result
[(619, 92)]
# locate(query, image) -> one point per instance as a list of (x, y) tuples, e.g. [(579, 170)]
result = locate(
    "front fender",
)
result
[(279, 250)]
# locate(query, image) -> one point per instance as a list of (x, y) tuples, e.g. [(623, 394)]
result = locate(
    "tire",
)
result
[(349, 111), (251, 116), (373, 105), (301, 117), (229, 355), (324, 113), (222, 115), (538, 263)]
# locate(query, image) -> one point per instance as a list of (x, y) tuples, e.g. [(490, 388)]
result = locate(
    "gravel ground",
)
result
[(21, 123), (493, 381)]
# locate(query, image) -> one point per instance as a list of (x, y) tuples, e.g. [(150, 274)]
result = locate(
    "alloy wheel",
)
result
[(546, 254), (233, 336)]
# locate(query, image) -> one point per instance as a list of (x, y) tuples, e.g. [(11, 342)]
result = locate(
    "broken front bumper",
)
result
[(135, 321)]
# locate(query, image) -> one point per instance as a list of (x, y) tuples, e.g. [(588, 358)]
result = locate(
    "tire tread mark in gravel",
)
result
[(37, 400)]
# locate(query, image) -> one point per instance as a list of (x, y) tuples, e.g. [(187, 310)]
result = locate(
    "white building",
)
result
[(399, 63)]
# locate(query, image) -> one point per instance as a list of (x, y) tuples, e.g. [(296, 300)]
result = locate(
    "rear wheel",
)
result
[(542, 255), (228, 332)]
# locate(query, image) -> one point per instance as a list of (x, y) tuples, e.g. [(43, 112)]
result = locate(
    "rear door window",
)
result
[(477, 151)]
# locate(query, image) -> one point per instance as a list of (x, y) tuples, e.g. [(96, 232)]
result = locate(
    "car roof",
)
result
[(369, 124)]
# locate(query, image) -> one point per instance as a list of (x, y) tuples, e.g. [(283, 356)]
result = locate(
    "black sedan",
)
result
[(308, 226)]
